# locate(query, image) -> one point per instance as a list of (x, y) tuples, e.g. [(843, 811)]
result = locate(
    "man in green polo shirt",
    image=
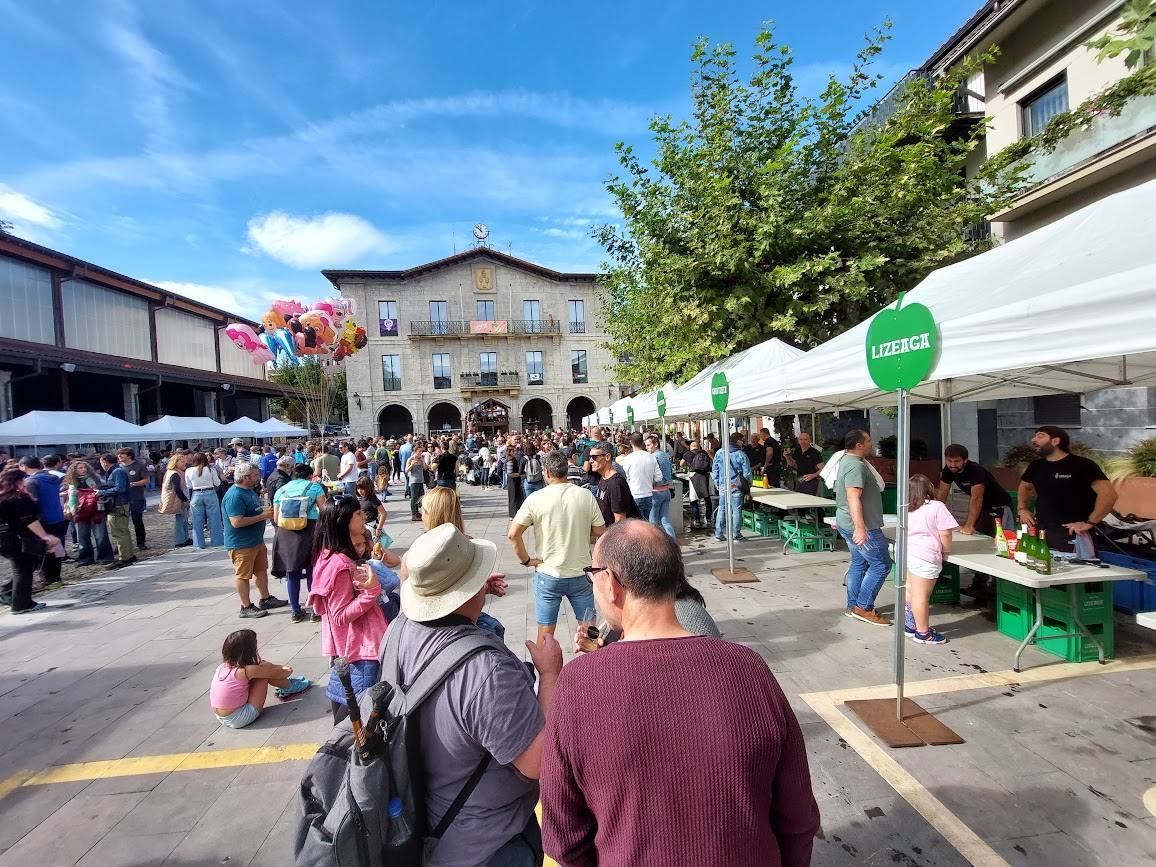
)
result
[(859, 520)]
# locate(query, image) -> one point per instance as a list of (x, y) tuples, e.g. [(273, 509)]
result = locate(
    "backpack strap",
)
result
[(425, 683)]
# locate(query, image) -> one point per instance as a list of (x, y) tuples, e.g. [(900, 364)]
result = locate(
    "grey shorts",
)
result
[(241, 717)]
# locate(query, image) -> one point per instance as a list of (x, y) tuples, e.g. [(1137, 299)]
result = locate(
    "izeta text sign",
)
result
[(720, 392), (901, 345), (661, 404)]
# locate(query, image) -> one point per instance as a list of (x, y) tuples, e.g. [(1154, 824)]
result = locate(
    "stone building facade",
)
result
[(478, 339)]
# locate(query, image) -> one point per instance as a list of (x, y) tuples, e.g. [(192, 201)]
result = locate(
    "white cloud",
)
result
[(245, 303), (23, 211), (554, 232), (330, 240)]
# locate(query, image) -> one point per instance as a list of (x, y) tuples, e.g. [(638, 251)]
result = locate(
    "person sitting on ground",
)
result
[(344, 594), (929, 530), (242, 680), (486, 710), (744, 789)]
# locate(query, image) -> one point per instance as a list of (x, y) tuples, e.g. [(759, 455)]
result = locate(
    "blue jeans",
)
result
[(350, 488), (660, 512), (870, 565), (530, 487), (548, 593), (93, 540), (736, 516), (523, 850), (206, 509), (180, 528), (293, 582), (644, 504)]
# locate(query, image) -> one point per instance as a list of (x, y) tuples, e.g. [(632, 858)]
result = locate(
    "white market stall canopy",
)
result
[(276, 428), (1069, 308), (42, 427), (176, 427), (245, 426), (769, 359)]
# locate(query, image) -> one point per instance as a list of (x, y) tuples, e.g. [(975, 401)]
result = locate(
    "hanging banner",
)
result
[(901, 346)]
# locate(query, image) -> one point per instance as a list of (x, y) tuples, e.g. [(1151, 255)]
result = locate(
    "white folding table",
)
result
[(1063, 575), (784, 500)]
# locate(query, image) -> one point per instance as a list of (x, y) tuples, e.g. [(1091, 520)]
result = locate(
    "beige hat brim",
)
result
[(426, 608)]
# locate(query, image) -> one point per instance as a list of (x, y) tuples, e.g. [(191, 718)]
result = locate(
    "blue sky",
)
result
[(231, 150)]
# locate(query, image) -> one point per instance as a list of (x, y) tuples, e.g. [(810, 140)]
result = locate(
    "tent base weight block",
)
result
[(738, 576), (917, 728)]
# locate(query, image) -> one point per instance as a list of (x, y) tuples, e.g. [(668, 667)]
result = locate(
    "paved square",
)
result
[(1055, 769)]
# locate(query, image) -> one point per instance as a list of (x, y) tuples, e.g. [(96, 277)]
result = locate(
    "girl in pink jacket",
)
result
[(344, 593)]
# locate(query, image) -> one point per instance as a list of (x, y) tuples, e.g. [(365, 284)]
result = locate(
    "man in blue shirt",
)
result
[(268, 463), (245, 517), (116, 494), (404, 453), (43, 485), (740, 466)]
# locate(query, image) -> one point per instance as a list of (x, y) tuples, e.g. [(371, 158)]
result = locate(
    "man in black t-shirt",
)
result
[(806, 462), (614, 498), (772, 458), (1072, 493), (989, 501)]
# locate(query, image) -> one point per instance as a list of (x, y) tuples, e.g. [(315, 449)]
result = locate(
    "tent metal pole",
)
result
[(901, 497), (945, 414), (726, 492)]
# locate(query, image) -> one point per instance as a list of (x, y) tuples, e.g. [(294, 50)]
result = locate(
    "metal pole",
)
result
[(726, 492), (902, 475)]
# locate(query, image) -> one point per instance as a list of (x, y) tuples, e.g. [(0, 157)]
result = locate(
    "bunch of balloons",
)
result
[(291, 331)]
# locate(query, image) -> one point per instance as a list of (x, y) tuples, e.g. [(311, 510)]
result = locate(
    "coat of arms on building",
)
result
[(484, 278)]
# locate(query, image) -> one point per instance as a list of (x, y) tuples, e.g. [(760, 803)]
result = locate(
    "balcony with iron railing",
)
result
[(487, 327), (391, 383), (439, 328), (535, 326), (964, 103), (577, 327), (475, 380)]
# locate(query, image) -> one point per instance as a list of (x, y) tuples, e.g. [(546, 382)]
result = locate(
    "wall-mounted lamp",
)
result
[(357, 399), (226, 386), (68, 367)]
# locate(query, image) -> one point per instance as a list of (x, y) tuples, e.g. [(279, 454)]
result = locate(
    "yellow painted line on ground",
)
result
[(162, 764), (965, 841)]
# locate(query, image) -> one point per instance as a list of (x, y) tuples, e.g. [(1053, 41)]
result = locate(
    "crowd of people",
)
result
[(589, 516)]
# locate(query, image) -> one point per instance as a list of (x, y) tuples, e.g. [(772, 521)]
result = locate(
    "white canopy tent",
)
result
[(277, 428), (176, 427), (43, 427), (1067, 308), (646, 405), (767, 359), (245, 426)]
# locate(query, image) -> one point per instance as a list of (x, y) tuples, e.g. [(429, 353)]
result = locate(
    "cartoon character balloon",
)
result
[(246, 339)]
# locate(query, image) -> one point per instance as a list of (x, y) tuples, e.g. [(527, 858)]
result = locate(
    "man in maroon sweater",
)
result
[(666, 747)]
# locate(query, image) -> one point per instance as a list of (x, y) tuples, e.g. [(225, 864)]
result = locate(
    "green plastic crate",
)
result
[(760, 524), (809, 544), (1077, 649), (889, 498), (1013, 619), (946, 590), (1013, 592), (1093, 599)]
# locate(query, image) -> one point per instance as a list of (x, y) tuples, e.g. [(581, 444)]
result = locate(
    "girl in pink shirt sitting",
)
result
[(345, 593), (242, 680), (929, 526)]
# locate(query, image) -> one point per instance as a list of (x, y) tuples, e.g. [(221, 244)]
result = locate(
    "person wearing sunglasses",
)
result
[(744, 787), (615, 500)]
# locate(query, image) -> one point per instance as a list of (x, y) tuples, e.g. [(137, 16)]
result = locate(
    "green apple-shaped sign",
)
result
[(630, 416), (661, 404), (720, 392), (901, 345)]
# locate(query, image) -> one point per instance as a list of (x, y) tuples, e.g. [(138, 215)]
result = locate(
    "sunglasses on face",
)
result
[(590, 571)]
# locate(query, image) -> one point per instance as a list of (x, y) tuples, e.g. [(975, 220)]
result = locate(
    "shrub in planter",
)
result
[(1144, 458)]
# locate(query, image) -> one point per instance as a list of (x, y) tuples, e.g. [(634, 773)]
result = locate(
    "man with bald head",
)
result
[(704, 716)]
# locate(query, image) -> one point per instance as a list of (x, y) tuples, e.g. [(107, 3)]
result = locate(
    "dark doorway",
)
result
[(576, 410), (444, 418), (537, 415), (394, 421)]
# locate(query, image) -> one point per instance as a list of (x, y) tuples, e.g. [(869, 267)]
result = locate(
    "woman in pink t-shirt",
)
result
[(929, 526)]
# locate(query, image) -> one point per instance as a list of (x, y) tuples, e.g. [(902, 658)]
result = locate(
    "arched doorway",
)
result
[(444, 418), (490, 417), (394, 420), (537, 415), (577, 409)]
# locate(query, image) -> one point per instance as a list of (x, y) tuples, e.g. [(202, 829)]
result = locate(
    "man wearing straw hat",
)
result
[(487, 706)]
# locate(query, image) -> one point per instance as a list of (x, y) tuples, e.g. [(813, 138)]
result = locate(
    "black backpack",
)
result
[(373, 813)]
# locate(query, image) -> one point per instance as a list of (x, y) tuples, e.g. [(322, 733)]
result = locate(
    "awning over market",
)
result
[(176, 427), (275, 427), (44, 427), (1068, 308), (245, 427), (769, 359)]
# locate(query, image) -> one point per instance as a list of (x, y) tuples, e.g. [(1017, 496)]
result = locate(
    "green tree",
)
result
[(313, 393), (1136, 35), (771, 214)]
